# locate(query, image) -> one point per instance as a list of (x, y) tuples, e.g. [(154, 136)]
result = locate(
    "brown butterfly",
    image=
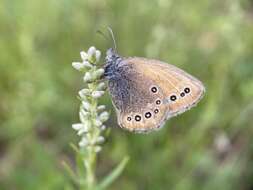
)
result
[(147, 92)]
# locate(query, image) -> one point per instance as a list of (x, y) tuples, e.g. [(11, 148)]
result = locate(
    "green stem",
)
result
[(90, 169), (91, 153)]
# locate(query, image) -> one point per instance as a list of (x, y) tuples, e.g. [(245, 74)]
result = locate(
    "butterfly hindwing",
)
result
[(138, 100)]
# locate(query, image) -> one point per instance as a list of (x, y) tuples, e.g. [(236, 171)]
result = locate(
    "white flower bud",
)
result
[(77, 126), (86, 105), (101, 86), (98, 149), (101, 108), (91, 51), (84, 142), (104, 116), (83, 130), (97, 123), (77, 65), (82, 117), (84, 92), (100, 139), (97, 94), (98, 73), (103, 127), (87, 77), (87, 64), (98, 55), (84, 55)]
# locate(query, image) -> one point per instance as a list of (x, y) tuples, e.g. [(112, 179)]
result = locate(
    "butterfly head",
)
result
[(111, 56), (112, 60)]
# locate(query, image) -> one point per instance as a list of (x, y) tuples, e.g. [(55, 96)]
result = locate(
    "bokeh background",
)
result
[(209, 147)]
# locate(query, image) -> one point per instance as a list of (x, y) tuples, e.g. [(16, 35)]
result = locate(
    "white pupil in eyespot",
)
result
[(187, 90), (182, 94), (148, 115), (154, 89), (173, 98), (137, 118), (158, 102)]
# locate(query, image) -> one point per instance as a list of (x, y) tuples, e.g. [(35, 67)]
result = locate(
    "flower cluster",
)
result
[(91, 125), (92, 116)]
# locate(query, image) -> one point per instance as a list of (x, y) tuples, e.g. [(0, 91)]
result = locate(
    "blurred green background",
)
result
[(209, 147)]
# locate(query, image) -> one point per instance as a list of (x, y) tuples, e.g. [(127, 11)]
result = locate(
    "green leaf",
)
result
[(79, 164), (70, 172), (74, 147), (110, 178)]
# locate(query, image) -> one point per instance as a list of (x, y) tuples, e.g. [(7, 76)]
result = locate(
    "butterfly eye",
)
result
[(173, 98), (158, 102), (148, 114), (156, 111), (187, 90), (182, 94), (154, 89), (129, 118), (137, 118)]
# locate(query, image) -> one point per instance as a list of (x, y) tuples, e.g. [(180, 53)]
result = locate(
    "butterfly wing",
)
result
[(147, 92), (138, 108), (181, 90)]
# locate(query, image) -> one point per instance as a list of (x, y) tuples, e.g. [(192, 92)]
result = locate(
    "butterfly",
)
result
[(147, 92)]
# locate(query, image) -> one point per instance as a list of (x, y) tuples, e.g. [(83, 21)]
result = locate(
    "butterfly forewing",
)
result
[(181, 90)]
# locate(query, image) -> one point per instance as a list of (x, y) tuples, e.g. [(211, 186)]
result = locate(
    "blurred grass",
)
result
[(209, 147)]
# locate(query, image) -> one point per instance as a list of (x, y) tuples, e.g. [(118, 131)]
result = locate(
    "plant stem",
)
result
[(90, 164), (91, 152)]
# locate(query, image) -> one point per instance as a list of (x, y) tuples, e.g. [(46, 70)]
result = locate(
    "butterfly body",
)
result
[(147, 92)]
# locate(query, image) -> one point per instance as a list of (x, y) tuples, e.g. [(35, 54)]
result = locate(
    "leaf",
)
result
[(74, 147), (79, 164), (71, 173), (110, 178)]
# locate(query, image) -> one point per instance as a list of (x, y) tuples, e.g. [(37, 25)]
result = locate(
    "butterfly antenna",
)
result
[(113, 38)]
